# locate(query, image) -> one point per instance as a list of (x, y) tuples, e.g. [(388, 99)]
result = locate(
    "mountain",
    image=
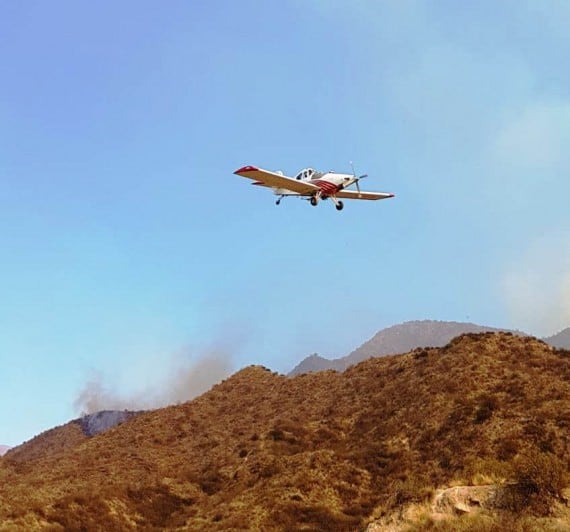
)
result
[(320, 451), (3, 449), (397, 339), (560, 340)]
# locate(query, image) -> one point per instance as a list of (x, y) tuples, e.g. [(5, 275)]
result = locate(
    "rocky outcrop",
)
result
[(447, 503), (460, 500)]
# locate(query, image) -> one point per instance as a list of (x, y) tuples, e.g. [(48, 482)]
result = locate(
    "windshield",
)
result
[(306, 173)]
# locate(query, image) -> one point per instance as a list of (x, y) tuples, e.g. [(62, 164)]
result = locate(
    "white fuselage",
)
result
[(329, 183)]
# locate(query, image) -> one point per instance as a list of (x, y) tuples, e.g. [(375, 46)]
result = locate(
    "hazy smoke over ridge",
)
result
[(537, 287), (185, 381)]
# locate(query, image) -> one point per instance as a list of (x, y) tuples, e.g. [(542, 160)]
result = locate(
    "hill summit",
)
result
[(320, 451)]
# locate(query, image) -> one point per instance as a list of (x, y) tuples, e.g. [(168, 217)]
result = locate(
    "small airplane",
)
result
[(311, 185)]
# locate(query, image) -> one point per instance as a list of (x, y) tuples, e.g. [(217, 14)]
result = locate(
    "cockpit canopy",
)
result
[(305, 174)]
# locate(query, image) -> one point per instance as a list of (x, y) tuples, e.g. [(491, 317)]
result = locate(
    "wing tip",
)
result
[(245, 169)]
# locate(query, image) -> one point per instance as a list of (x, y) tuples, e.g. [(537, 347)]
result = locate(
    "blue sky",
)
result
[(130, 254)]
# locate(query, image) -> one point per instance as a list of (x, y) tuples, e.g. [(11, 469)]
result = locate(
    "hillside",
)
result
[(3, 449), (321, 451), (59, 439), (396, 339)]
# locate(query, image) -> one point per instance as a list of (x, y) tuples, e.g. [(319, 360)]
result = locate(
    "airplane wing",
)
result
[(354, 194), (267, 178)]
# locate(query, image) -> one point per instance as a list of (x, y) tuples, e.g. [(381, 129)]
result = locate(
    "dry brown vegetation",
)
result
[(323, 451)]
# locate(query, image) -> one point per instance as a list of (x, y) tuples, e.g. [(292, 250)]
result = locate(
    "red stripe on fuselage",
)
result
[(326, 187)]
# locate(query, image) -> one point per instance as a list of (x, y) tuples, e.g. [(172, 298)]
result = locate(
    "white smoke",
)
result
[(186, 379), (537, 287)]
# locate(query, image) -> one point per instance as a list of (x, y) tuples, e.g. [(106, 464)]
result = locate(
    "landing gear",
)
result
[(279, 200), (337, 203)]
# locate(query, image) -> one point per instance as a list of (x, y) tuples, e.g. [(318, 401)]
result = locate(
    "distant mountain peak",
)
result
[(400, 338), (560, 340), (312, 363), (4, 449)]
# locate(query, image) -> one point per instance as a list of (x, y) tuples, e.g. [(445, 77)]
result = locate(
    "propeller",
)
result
[(357, 179)]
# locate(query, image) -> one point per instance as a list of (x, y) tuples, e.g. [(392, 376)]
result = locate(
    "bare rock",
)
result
[(464, 499)]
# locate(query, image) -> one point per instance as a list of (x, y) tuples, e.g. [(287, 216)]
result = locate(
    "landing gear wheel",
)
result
[(314, 201), (339, 206)]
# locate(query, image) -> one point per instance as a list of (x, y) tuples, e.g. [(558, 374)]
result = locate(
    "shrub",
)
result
[(312, 518), (539, 481), (412, 489), (487, 405), (507, 447)]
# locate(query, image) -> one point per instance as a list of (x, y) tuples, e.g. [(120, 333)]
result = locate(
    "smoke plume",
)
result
[(537, 287), (185, 380)]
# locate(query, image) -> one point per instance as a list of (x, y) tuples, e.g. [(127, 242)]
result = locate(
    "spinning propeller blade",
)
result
[(357, 179)]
